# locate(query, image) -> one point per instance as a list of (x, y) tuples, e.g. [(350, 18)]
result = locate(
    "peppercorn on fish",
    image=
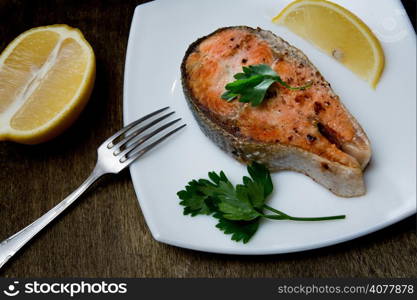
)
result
[(308, 131)]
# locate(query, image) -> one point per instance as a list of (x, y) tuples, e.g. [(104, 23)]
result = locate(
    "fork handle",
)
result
[(10, 246)]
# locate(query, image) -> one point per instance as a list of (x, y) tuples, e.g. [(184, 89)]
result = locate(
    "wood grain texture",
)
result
[(105, 235)]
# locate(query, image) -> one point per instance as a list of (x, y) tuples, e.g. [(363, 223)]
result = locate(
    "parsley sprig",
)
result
[(238, 208), (251, 85)]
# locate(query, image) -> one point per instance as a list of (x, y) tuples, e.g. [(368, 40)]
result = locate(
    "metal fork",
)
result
[(114, 155)]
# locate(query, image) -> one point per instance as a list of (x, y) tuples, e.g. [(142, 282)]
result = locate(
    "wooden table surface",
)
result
[(105, 235)]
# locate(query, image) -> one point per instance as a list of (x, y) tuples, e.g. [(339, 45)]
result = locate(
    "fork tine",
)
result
[(131, 125), (135, 156), (139, 142), (139, 131)]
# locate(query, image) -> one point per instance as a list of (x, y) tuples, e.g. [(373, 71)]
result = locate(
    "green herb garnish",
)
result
[(251, 85), (238, 208)]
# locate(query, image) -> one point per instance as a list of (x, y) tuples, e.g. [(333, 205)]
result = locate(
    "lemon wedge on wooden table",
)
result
[(339, 33), (46, 77)]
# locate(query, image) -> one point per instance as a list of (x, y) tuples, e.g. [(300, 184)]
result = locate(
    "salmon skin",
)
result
[(308, 131)]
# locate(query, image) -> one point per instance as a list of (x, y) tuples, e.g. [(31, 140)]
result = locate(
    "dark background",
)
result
[(410, 6), (105, 235)]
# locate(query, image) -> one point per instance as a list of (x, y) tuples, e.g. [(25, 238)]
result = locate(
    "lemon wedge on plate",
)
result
[(339, 33), (46, 77)]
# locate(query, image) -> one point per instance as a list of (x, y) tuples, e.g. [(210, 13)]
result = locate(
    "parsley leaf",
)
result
[(229, 96), (240, 230), (235, 204), (238, 208), (260, 186), (194, 198), (252, 85), (261, 69)]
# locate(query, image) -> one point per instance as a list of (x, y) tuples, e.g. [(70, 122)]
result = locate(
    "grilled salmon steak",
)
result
[(308, 131)]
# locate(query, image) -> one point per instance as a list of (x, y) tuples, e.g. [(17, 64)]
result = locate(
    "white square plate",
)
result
[(161, 32)]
